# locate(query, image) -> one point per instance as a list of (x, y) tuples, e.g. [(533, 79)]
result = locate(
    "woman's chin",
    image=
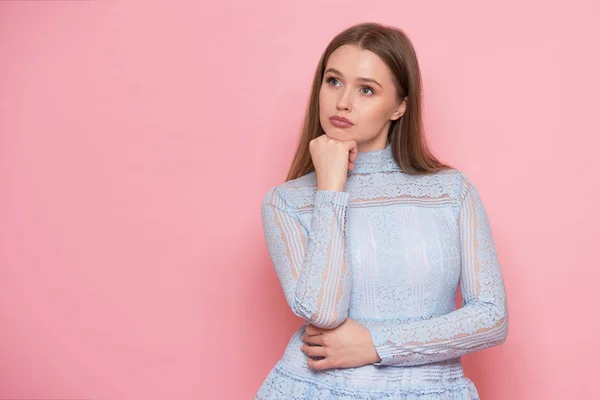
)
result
[(338, 133)]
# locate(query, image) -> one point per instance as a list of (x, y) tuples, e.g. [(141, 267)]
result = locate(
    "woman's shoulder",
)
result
[(464, 184), (295, 193)]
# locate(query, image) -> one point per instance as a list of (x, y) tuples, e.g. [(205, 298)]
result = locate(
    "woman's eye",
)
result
[(368, 88), (331, 79)]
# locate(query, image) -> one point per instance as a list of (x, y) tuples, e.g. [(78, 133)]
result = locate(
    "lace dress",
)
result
[(389, 252)]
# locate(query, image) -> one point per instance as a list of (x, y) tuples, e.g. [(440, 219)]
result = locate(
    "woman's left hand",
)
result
[(346, 346)]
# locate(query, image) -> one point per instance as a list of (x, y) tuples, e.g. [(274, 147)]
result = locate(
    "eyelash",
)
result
[(368, 87)]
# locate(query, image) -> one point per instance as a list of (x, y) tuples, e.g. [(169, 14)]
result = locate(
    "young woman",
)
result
[(371, 235)]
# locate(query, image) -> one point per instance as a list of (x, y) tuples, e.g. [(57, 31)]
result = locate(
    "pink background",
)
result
[(137, 140)]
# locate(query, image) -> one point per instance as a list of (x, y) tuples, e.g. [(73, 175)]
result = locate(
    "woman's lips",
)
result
[(339, 123)]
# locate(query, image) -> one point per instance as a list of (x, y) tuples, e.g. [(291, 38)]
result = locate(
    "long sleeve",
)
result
[(482, 320), (311, 267)]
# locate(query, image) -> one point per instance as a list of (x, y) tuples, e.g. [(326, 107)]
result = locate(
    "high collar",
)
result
[(375, 161)]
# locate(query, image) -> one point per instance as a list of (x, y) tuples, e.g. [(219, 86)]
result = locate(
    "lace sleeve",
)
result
[(481, 322), (311, 267)]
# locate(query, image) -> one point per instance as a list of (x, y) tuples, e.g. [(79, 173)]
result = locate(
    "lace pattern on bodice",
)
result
[(311, 260)]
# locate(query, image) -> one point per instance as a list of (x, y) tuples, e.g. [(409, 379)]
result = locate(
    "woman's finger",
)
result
[(313, 339), (313, 351), (313, 330), (324, 363)]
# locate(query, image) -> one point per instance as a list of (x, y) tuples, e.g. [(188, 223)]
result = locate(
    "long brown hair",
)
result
[(393, 46)]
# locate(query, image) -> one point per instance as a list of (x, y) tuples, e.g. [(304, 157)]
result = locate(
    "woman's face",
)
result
[(358, 85)]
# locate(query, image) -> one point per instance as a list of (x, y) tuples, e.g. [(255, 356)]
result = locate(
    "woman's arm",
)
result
[(312, 268), (481, 322)]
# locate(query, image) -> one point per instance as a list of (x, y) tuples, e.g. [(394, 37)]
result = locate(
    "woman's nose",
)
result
[(344, 100)]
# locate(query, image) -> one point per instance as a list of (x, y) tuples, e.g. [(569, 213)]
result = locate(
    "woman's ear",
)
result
[(400, 110)]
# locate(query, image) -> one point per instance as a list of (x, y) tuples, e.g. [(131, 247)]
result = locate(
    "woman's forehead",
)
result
[(353, 63)]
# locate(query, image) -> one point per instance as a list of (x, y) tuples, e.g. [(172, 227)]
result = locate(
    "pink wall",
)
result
[(137, 140)]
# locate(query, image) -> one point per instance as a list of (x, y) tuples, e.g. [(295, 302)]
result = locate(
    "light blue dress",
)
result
[(389, 252)]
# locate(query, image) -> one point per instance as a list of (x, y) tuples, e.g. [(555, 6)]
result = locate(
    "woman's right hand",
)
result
[(332, 159)]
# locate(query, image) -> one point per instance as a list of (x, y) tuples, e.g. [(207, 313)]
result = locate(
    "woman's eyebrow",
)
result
[(335, 71)]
